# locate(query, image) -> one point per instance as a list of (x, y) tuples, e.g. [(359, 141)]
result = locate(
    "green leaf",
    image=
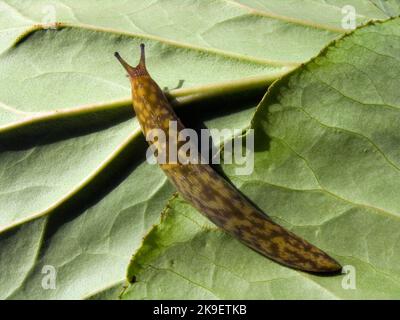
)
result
[(75, 191), (224, 24), (326, 166)]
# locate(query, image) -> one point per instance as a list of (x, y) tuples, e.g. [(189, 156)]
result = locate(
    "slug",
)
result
[(212, 195)]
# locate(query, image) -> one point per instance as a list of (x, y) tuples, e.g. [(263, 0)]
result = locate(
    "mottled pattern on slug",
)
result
[(227, 208), (214, 197)]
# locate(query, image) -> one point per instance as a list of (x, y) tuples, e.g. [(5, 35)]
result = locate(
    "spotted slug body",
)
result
[(213, 196)]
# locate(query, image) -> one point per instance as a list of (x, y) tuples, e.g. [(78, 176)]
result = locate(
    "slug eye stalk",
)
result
[(139, 69), (213, 196)]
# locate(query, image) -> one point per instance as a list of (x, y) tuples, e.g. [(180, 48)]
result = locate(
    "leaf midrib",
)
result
[(280, 17)]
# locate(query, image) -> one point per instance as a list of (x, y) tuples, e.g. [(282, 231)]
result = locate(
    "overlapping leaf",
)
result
[(326, 166)]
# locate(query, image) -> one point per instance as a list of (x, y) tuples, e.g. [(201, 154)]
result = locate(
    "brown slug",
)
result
[(212, 195)]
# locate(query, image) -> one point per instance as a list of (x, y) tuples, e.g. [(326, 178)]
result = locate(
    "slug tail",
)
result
[(221, 203), (140, 69)]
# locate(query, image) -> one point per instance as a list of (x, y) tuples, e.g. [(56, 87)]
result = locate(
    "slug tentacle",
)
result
[(213, 196), (137, 71)]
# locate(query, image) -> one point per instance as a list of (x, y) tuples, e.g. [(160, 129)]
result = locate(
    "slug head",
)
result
[(140, 69)]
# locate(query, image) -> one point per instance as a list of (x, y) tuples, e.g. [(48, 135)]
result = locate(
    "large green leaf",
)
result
[(264, 29), (75, 192), (327, 165)]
